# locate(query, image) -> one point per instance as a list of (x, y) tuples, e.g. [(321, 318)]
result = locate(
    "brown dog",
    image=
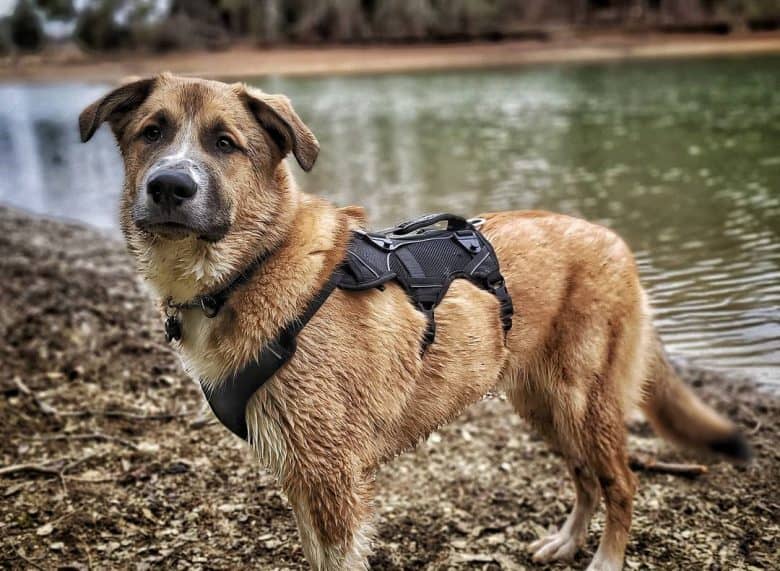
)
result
[(582, 351)]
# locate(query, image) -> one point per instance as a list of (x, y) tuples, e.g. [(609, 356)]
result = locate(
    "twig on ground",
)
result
[(106, 480), (45, 408), (49, 469), (30, 562), (652, 465), (81, 460), (85, 547), (126, 414), (90, 436), (40, 468), (202, 421)]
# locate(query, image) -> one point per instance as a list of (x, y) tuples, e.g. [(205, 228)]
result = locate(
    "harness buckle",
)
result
[(469, 240)]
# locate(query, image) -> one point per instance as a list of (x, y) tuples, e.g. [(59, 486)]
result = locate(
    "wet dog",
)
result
[(207, 192)]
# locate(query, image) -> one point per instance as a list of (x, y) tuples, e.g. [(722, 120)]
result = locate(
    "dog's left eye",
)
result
[(225, 145), (152, 133)]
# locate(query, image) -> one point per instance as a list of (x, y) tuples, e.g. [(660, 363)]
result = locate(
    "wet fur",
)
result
[(581, 354)]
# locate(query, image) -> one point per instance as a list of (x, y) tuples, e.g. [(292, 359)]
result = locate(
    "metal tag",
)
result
[(172, 328)]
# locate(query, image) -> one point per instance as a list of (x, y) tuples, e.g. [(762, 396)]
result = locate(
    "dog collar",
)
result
[(210, 303)]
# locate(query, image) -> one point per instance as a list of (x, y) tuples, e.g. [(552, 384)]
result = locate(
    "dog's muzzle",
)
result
[(173, 202)]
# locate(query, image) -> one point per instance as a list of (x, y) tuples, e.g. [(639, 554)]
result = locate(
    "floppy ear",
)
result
[(113, 106), (277, 116)]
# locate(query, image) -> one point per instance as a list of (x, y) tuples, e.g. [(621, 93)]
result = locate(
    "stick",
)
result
[(91, 436), (80, 461), (89, 556), (47, 467), (653, 465), (46, 409), (40, 468), (29, 561), (106, 480), (130, 415)]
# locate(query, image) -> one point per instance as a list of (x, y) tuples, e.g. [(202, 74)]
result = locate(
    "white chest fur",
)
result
[(200, 357)]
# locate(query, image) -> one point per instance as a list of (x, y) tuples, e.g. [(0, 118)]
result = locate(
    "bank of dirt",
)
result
[(242, 61), (107, 462)]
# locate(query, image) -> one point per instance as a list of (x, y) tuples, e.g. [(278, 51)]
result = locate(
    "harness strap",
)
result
[(228, 400)]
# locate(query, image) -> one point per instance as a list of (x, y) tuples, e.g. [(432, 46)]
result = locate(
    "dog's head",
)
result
[(203, 159)]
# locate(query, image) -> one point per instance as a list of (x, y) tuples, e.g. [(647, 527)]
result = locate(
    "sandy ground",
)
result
[(243, 61), (107, 462)]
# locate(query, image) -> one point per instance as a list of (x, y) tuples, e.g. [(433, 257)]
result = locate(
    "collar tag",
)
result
[(173, 328)]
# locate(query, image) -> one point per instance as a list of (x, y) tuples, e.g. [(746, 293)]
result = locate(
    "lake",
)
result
[(681, 158)]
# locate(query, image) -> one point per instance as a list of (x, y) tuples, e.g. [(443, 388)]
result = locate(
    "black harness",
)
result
[(423, 259)]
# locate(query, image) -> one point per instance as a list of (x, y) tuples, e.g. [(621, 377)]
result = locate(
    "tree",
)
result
[(97, 29), (26, 27), (57, 9)]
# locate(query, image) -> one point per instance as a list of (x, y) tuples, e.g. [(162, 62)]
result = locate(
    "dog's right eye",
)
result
[(152, 133)]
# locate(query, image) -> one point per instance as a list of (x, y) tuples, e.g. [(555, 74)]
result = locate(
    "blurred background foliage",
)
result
[(163, 25)]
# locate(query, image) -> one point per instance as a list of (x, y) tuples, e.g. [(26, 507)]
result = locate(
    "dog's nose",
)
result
[(171, 186)]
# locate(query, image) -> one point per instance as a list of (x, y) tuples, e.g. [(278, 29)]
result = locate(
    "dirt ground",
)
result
[(106, 460), (247, 61)]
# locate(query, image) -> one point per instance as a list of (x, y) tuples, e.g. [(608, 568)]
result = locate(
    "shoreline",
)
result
[(247, 61)]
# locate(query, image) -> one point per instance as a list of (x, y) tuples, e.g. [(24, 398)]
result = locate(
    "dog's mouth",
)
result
[(175, 230), (168, 230)]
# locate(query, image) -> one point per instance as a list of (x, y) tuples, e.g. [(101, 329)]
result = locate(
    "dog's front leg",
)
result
[(334, 520)]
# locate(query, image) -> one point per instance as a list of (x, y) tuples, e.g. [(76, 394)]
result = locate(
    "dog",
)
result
[(207, 190)]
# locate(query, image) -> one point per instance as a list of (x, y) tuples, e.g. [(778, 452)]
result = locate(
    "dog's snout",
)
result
[(171, 186)]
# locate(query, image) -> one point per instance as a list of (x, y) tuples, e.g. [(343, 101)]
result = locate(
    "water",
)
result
[(681, 158)]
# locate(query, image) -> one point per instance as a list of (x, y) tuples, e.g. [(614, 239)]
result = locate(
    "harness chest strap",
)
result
[(228, 400)]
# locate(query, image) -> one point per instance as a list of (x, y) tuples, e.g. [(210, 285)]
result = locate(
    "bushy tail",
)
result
[(678, 415)]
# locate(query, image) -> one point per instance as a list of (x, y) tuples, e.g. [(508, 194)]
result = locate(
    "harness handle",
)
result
[(454, 222)]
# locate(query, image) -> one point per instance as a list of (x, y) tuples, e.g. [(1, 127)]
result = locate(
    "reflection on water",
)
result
[(683, 159)]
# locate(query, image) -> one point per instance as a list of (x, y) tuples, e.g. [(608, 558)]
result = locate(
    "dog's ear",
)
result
[(113, 106), (277, 116)]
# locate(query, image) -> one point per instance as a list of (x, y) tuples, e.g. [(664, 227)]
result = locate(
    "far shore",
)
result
[(247, 61)]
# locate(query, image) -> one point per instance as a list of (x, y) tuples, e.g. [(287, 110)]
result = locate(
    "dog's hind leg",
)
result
[(564, 544), (334, 522), (591, 437), (557, 417), (608, 458), (545, 415)]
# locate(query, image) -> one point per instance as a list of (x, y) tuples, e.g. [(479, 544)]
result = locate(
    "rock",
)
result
[(44, 530)]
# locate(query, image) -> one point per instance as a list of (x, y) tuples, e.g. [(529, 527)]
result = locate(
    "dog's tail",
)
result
[(678, 415)]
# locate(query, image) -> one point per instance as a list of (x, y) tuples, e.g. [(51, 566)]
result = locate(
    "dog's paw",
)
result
[(559, 546)]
